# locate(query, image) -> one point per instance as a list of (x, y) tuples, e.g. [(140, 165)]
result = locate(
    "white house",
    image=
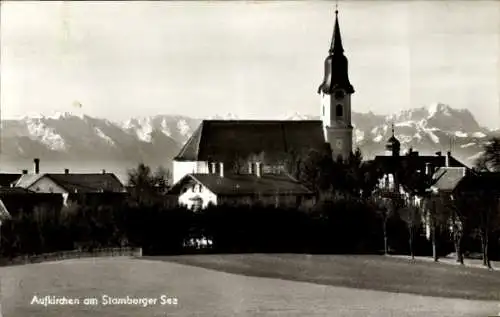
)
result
[(198, 191)]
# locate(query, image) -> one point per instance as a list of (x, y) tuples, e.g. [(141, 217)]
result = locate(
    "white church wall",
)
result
[(182, 168)]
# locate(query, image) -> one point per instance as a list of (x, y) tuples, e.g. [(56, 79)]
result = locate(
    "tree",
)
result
[(316, 172), (490, 158), (479, 197), (145, 184), (162, 178), (417, 185), (385, 206), (458, 210)]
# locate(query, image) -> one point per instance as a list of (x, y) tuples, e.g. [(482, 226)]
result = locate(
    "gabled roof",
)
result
[(449, 177), (7, 179), (77, 182), (226, 140), (266, 185), (392, 162)]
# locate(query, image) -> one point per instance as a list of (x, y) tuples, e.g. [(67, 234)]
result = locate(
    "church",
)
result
[(223, 157)]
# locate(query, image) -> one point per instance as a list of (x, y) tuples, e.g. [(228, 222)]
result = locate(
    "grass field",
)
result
[(359, 271), (202, 292)]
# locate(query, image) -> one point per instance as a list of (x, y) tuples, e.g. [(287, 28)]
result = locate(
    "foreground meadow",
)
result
[(205, 292)]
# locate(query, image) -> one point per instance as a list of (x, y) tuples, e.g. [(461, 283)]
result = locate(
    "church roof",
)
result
[(245, 184), (226, 140)]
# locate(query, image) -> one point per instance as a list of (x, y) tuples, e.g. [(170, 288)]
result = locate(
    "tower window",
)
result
[(339, 111)]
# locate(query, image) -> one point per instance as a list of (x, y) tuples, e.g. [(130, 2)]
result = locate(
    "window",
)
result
[(323, 110), (339, 111)]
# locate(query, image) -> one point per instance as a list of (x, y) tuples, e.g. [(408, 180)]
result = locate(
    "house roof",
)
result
[(245, 184), (225, 140), (77, 182), (14, 190), (7, 179), (449, 177), (392, 162)]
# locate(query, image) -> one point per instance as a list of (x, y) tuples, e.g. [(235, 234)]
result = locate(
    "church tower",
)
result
[(335, 92)]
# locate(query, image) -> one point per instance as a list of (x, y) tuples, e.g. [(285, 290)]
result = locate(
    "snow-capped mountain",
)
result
[(437, 127), (73, 139)]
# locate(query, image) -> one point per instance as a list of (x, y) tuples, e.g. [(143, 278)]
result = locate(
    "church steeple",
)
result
[(336, 45), (335, 92), (336, 65)]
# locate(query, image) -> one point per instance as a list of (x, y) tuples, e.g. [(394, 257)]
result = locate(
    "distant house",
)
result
[(103, 187), (197, 191), (393, 162)]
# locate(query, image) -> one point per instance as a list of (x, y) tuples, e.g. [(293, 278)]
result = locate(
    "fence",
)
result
[(74, 254)]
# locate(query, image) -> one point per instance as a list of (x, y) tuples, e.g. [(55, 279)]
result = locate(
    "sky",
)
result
[(256, 60)]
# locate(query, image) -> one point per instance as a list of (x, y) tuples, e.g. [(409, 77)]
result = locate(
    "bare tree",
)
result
[(385, 207)]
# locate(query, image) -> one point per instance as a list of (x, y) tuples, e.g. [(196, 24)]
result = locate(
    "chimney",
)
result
[(250, 168), (258, 169), (103, 172), (214, 168), (438, 153), (36, 163), (221, 169), (25, 172), (447, 159), (428, 168), (66, 171)]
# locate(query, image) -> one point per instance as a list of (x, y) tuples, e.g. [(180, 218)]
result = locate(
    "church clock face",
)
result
[(339, 94), (339, 144)]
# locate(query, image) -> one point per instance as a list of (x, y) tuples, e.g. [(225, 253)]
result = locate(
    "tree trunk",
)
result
[(434, 247), (386, 246), (458, 247), (411, 243), (484, 244)]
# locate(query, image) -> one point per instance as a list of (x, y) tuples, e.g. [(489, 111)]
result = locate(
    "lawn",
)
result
[(202, 292), (358, 271)]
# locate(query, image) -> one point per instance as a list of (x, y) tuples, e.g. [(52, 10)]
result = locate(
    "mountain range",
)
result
[(83, 143)]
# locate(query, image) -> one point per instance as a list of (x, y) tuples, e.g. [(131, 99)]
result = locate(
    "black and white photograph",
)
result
[(250, 158)]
